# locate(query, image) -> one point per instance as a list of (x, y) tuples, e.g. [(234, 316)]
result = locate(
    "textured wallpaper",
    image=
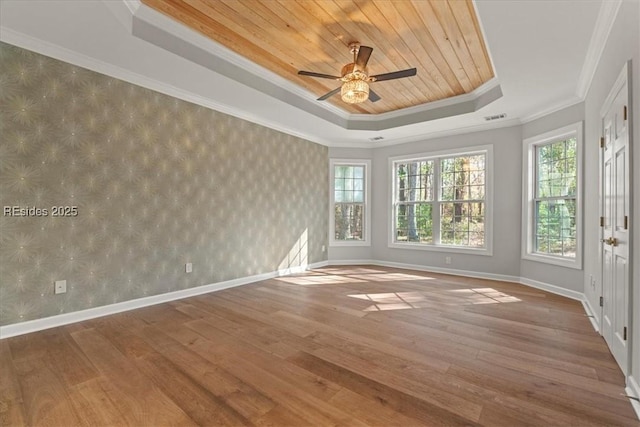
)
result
[(114, 187)]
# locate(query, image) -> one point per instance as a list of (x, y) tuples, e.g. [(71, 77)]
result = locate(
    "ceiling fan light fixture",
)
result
[(354, 91)]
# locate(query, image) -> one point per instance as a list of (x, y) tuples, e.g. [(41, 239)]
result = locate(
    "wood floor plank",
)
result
[(244, 399), (335, 346), (567, 399), (202, 406), (304, 381), (46, 400), (12, 410), (421, 410), (93, 404), (136, 397)]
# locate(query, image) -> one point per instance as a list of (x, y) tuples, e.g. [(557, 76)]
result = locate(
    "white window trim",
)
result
[(488, 231), (528, 191), (366, 241)]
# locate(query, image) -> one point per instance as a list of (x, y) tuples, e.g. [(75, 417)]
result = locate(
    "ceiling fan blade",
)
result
[(373, 97), (396, 75), (364, 52), (322, 76), (329, 94)]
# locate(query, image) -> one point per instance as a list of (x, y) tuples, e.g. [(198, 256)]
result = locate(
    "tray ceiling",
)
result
[(442, 39)]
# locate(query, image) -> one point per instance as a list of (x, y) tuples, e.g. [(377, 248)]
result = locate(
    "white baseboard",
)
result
[(591, 313), (352, 262), (579, 296), (29, 326), (451, 271), (633, 389)]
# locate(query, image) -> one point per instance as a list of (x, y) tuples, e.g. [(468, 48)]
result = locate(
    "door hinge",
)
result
[(601, 221), (601, 302), (625, 113), (602, 142), (624, 333), (626, 222)]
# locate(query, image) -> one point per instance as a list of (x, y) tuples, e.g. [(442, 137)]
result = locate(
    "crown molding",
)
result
[(606, 18), (552, 109)]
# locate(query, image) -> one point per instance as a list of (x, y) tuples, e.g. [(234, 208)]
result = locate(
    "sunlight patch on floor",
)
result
[(390, 277), (409, 300), (359, 275), (327, 279)]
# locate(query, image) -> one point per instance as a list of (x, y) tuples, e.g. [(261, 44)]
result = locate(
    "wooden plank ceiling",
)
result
[(441, 38)]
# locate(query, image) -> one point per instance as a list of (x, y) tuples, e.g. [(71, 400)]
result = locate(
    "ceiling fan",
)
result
[(355, 79)]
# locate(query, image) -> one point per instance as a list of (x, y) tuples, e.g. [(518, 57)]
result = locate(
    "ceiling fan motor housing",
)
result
[(350, 68)]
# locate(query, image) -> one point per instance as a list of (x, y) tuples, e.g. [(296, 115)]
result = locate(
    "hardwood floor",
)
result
[(344, 346)]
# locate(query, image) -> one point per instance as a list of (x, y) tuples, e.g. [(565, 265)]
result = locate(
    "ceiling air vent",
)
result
[(496, 117), (376, 138)]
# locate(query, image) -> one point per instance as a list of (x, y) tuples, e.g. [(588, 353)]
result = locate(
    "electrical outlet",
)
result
[(60, 287), (447, 260), (323, 248), (188, 267), (593, 281)]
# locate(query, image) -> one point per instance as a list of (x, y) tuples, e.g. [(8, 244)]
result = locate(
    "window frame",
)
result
[(529, 167), (487, 250), (366, 229)]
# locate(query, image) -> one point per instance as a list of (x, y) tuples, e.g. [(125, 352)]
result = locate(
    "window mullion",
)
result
[(435, 211)]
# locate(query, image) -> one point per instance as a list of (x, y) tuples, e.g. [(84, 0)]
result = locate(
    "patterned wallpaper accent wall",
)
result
[(157, 182)]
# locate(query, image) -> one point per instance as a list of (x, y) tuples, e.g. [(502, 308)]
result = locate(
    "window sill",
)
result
[(442, 248), (548, 259)]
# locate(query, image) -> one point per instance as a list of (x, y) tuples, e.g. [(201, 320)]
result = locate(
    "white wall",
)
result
[(623, 44)]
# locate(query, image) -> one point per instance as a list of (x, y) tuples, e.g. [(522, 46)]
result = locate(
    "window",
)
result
[(552, 197), (350, 216), (440, 201)]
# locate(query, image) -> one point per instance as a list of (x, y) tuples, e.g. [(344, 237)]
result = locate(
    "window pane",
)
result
[(349, 219), (556, 169), (462, 177), (349, 184), (348, 171), (414, 181), (555, 227), (347, 196), (414, 223), (462, 224)]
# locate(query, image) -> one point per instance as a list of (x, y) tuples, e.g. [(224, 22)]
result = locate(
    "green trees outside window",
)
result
[(349, 202), (556, 178), (441, 201)]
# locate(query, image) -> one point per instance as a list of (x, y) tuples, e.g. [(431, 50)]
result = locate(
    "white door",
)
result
[(615, 223)]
